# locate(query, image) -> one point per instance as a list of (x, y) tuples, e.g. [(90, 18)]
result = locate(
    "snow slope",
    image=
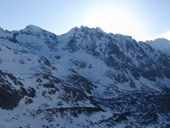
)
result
[(83, 78), (160, 44)]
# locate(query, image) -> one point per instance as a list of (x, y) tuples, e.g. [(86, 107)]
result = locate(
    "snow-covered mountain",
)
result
[(83, 78), (160, 44)]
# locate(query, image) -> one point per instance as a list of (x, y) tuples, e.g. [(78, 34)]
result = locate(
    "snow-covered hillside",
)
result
[(83, 78), (160, 44)]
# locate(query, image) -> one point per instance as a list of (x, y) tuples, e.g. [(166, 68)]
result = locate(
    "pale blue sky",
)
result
[(142, 19)]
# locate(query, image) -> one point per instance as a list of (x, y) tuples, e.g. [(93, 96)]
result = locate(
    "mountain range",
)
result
[(85, 78)]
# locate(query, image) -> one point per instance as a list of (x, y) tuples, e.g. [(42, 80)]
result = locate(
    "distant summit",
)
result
[(160, 44)]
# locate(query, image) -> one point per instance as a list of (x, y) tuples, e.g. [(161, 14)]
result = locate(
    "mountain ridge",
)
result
[(83, 78), (160, 44)]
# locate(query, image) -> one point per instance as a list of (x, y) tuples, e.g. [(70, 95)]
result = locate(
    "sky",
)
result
[(141, 19)]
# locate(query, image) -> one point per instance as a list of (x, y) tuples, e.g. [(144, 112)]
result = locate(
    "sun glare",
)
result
[(117, 21), (165, 35)]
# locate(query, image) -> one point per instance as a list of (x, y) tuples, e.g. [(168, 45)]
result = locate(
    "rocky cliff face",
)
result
[(83, 78)]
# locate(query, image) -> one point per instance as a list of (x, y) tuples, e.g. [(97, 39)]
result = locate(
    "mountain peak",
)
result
[(85, 28), (162, 39), (36, 31), (32, 28), (160, 44), (98, 29)]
